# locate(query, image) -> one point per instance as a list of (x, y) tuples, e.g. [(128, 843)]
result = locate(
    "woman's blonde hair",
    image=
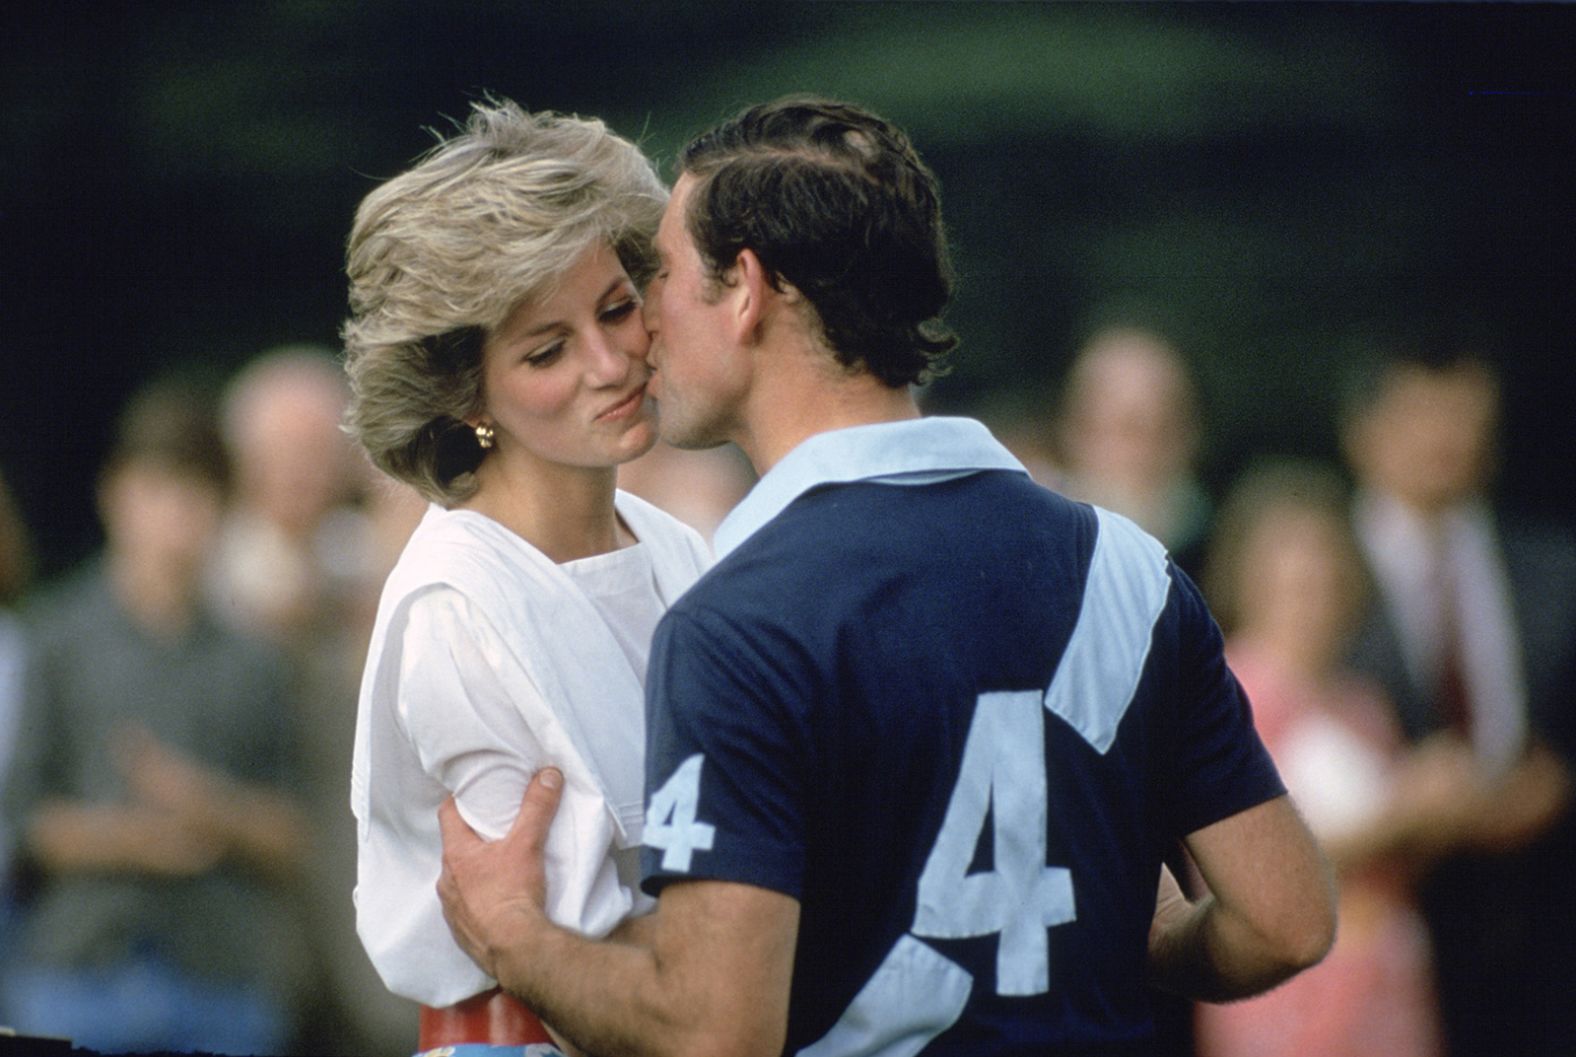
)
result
[(440, 255)]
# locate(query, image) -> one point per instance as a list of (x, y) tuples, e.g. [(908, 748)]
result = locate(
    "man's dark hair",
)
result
[(835, 202), (173, 423), (1437, 343)]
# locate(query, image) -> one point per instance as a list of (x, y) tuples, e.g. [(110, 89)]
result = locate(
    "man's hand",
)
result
[(1171, 907), (1524, 803), (707, 974), (489, 887)]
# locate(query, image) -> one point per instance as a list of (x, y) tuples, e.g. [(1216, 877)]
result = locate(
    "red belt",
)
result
[(494, 1017)]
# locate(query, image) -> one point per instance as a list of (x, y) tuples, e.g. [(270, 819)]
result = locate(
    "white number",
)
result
[(670, 818), (1003, 768)]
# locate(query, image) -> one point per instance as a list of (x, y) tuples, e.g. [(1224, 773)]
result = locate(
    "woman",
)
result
[(496, 353), (1287, 584)]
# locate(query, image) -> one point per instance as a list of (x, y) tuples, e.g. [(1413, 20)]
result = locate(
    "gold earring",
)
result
[(484, 436)]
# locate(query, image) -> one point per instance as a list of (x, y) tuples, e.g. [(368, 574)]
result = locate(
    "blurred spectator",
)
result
[(1127, 436), (1287, 583), (292, 546), (15, 572), (351, 1011), (1473, 636), (296, 563), (697, 487), (148, 787)]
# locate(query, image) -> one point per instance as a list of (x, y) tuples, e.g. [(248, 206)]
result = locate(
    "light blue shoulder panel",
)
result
[(1123, 597)]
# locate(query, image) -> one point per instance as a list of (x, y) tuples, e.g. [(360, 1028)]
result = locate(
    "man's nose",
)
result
[(649, 310)]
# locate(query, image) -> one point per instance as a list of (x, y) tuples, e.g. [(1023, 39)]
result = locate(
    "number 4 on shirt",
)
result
[(670, 818), (1003, 770), (1001, 776), (1003, 767)]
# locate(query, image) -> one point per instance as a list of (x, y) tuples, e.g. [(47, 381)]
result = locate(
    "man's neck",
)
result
[(1425, 515), (159, 596), (814, 395)]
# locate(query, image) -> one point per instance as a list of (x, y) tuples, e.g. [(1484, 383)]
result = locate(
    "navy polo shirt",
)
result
[(959, 718)]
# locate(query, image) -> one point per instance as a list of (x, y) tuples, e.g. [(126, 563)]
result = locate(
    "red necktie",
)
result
[(1453, 699)]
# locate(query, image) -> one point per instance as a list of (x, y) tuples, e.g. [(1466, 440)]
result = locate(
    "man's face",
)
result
[(700, 374), (1430, 438), (160, 517)]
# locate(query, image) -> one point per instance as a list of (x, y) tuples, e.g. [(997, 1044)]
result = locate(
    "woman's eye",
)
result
[(621, 310), (544, 356)]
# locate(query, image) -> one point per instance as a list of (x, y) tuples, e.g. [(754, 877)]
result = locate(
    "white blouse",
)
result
[(489, 661)]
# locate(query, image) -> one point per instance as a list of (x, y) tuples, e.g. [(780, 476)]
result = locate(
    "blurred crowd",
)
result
[(177, 714)]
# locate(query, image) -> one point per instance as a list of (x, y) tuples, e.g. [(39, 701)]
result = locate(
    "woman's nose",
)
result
[(611, 354)]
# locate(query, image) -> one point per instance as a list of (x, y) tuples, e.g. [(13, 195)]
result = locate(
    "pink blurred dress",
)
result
[(1373, 994)]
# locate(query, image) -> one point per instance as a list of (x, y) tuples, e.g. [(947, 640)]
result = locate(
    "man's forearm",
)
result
[(1269, 912), (70, 836), (1202, 952), (567, 979), (259, 828), (641, 992), (707, 974)]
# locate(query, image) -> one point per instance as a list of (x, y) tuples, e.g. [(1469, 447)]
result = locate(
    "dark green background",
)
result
[(178, 180)]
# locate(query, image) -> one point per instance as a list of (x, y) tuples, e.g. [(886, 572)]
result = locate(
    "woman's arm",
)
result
[(481, 728)]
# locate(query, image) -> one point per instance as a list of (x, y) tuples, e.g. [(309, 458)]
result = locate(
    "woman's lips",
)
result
[(625, 407)]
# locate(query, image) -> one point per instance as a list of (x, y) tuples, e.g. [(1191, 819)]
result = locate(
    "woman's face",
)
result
[(1297, 578), (564, 377)]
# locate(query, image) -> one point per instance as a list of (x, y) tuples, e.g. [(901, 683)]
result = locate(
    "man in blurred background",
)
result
[(297, 564), (151, 786), (1473, 636)]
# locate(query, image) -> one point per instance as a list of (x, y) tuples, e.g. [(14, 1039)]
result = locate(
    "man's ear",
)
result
[(753, 292)]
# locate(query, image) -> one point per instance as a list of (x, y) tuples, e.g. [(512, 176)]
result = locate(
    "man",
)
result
[(918, 742), (151, 790), (1474, 638)]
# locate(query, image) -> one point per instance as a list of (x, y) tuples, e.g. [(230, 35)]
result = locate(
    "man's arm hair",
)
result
[(1269, 912)]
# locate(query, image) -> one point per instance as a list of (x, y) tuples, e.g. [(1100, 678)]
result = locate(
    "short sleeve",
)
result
[(1220, 766), (464, 703), (725, 771), (460, 705)]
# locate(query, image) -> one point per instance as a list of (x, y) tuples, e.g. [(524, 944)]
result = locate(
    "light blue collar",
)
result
[(929, 447)]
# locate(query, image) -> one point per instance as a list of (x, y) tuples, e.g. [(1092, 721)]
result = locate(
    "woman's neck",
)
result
[(1294, 649), (566, 512)]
